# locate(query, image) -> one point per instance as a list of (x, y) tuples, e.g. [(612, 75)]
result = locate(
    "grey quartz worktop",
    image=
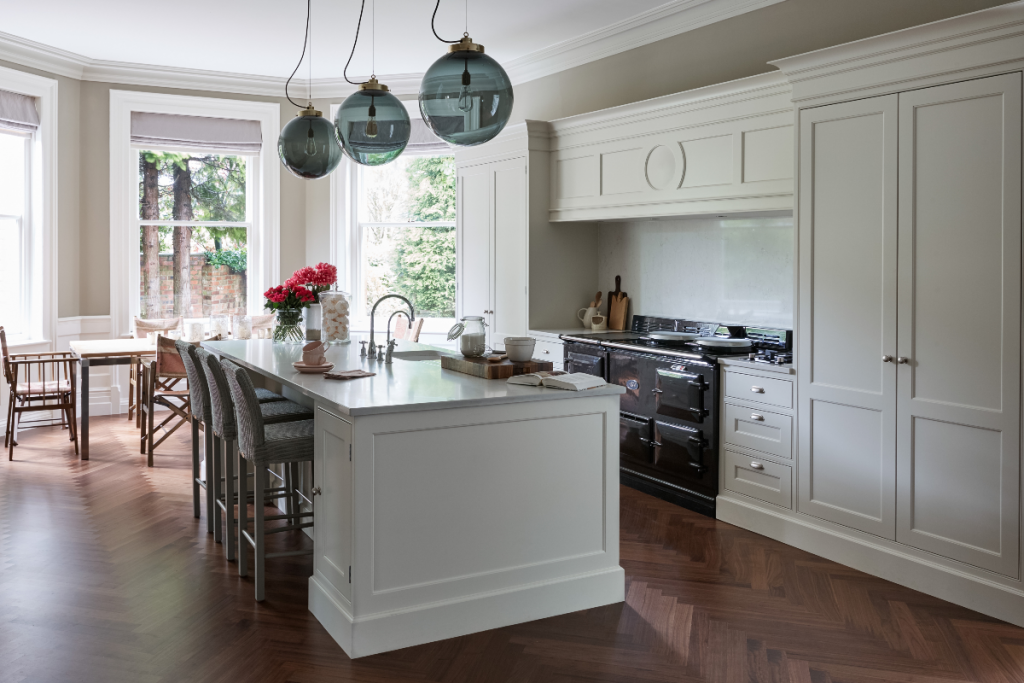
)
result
[(402, 386)]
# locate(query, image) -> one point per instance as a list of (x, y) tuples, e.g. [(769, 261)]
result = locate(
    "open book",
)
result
[(556, 379)]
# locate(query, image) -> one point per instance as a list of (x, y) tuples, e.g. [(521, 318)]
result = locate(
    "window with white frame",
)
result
[(405, 236), (193, 222), (15, 233)]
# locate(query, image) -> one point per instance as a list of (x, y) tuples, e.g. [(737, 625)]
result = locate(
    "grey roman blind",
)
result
[(18, 112), (176, 131), (423, 141)]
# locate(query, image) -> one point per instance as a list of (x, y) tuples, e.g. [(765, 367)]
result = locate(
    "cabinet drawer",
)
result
[(758, 430), (776, 392), (548, 351), (761, 479)]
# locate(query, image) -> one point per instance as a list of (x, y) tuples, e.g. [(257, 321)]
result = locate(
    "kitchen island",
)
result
[(446, 504)]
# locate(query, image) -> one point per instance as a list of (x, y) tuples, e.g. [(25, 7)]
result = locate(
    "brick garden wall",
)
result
[(215, 289)]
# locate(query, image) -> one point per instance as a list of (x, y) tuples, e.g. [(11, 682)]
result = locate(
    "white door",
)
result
[(473, 255), (332, 508), (510, 245), (847, 238), (958, 403)]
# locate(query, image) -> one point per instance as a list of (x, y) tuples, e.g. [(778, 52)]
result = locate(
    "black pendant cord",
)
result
[(305, 42), (432, 18), (354, 43)]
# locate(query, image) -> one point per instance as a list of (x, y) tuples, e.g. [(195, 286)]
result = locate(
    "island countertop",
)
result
[(403, 386)]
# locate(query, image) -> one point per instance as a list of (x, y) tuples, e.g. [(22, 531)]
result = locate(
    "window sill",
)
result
[(13, 345)]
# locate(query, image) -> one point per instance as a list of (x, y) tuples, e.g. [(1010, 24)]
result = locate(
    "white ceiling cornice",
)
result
[(671, 19)]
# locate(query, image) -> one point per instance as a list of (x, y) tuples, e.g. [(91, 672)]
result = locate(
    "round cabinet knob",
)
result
[(757, 390), (886, 359), (316, 491), (902, 360), (755, 465), (757, 418)]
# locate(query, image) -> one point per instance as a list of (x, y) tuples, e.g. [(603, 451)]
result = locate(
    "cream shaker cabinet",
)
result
[(910, 316), (492, 246)]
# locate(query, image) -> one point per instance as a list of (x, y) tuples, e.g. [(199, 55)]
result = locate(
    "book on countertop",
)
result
[(556, 379)]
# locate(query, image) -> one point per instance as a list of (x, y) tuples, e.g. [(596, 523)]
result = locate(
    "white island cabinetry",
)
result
[(447, 504)]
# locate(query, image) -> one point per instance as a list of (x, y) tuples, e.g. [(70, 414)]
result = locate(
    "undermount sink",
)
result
[(416, 355)]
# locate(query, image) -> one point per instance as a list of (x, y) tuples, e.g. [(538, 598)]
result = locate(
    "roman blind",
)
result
[(423, 141), (203, 133), (18, 112)]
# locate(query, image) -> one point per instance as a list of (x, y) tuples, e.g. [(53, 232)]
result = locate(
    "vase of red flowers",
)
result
[(316, 279), (287, 302)]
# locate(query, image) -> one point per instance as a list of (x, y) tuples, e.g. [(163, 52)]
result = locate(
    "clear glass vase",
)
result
[(313, 322), (288, 329)]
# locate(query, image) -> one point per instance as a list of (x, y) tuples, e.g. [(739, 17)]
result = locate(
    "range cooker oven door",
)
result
[(684, 451), (635, 372), (679, 394), (586, 359), (635, 439)]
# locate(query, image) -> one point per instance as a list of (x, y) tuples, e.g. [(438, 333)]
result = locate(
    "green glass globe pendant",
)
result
[(373, 125), (308, 145), (465, 96)]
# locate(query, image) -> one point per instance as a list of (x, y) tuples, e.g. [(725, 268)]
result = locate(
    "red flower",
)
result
[(303, 276), (303, 294), (324, 275)]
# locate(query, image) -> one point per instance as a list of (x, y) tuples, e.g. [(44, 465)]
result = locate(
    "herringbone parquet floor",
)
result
[(105, 576)]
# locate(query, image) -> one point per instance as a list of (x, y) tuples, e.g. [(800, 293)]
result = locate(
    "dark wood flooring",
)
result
[(105, 576)]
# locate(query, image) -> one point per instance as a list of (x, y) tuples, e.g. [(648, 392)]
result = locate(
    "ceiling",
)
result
[(264, 37)]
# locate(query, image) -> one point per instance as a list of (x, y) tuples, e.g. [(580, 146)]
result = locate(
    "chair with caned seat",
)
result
[(144, 327), (225, 438), (263, 445), (38, 382), (160, 386)]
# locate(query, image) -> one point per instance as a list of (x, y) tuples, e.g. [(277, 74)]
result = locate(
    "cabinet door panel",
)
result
[(958, 409), (509, 219), (847, 237), (474, 247), (332, 473)]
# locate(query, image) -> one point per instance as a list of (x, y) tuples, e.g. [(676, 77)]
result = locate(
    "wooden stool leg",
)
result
[(195, 470), (132, 379), (213, 459), (243, 513), (259, 487), (228, 453)]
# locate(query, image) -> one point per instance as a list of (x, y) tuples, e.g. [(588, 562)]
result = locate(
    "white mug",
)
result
[(585, 314), (599, 323)]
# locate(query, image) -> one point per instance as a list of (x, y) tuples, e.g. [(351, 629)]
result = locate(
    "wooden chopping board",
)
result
[(485, 369), (618, 305)]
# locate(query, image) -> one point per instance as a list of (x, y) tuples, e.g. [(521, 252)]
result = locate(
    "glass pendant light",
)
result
[(308, 144), (372, 123), (465, 96)]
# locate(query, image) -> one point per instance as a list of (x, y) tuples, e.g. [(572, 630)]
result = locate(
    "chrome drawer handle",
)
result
[(755, 465), (546, 351), (316, 491), (756, 417), (657, 391), (757, 390)]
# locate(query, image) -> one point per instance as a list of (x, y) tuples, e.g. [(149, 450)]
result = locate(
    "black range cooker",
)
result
[(669, 429)]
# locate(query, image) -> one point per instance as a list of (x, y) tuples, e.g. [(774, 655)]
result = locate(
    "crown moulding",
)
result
[(673, 18)]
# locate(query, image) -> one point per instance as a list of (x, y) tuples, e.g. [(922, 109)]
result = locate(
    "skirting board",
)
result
[(428, 623), (961, 588)]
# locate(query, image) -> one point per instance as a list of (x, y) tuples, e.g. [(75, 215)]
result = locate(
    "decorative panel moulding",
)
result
[(960, 48), (671, 19)]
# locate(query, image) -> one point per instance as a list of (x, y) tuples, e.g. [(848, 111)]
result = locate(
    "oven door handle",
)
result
[(698, 384), (657, 391)]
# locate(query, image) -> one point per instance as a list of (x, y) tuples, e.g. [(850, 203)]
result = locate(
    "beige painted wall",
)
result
[(728, 50)]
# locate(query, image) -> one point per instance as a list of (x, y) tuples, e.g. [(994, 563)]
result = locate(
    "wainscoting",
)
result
[(108, 385)]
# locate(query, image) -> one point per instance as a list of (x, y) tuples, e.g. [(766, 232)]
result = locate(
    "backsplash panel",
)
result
[(731, 270)]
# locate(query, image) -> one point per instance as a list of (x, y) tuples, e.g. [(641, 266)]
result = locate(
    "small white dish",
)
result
[(520, 349), (312, 369)]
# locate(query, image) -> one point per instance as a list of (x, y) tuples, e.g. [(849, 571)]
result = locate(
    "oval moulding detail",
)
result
[(662, 169)]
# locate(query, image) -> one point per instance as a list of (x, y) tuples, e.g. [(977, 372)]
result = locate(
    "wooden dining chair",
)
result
[(39, 382), (403, 330), (161, 385), (142, 328)]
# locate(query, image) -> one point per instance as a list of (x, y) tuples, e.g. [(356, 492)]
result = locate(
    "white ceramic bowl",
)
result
[(520, 349)]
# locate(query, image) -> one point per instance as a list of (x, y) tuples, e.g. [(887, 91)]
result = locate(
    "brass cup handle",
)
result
[(886, 359), (755, 465), (316, 491), (902, 360)]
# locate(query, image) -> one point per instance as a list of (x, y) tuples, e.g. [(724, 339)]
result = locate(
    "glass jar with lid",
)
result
[(335, 309), (471, 332)]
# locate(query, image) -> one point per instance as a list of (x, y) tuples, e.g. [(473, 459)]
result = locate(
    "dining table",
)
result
[(92, 352)]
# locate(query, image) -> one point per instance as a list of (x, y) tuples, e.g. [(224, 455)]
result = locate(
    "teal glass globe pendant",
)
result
[(373, 125), (465, 96), (308, 145)]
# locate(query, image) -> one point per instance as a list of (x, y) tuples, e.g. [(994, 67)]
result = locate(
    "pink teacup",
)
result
[(313, 353)]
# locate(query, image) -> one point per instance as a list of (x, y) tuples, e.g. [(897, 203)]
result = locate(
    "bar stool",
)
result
[(263, 445), (225, 436), (199, 398)]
